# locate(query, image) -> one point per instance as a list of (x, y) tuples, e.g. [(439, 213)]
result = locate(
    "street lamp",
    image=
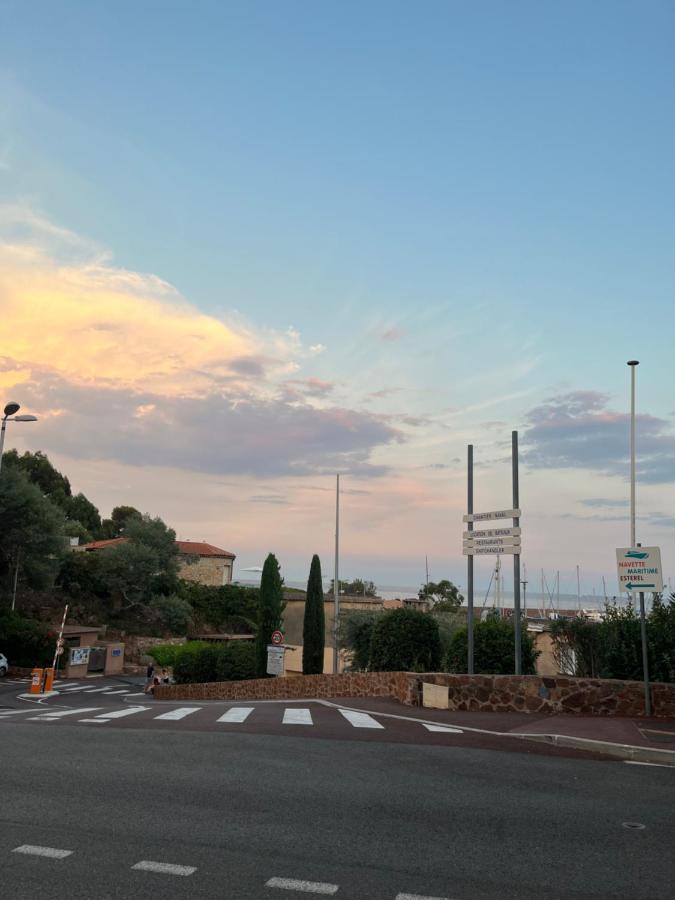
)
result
[(10, 411)]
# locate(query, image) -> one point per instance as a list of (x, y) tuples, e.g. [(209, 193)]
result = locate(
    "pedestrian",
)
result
[(148, 675), (165, 676)]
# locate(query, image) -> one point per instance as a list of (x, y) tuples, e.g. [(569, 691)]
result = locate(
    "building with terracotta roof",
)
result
[(197, 561)]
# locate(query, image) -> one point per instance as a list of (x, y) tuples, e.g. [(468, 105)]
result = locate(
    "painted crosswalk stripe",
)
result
[(442, 728), (294, 716), (236, 714), (120, 713), (147, 865), (97, 690), (175, 714), (419, 897), (307, 887), (95, 721), (14, 712), (360, 720), (112, 693), (51, 852), (68, 712)]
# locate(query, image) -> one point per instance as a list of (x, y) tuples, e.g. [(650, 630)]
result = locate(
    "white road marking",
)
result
[(637, 762), (147, 865), (236, 714), (295, 716), (72, 690), (360, 720), (51, 852), (175, 714), (14, 712), (97, 690), (67, 684), (442, 728), (120, 713), (39, 719), (95, 721), (308, 887), (125, 691), (140, 694), (418, 897), (68, 712)]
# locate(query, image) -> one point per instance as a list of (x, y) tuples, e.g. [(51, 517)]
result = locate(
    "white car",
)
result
[(4, 665)]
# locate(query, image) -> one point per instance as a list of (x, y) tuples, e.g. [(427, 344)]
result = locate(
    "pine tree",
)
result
[(313, 631), (270, 608)]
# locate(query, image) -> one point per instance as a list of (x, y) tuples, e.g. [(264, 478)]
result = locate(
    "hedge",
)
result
[(26, 642), (405, 640), (201, 662)]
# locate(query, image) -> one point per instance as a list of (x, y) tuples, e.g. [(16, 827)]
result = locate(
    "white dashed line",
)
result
[(307, 887), (125, 691), (236, 714), (97, 690), (441, 729), (418, 897), (294, 716), (637, 762), (68, 712), (94, 721), (147, 865), (360, 720), (120, 713), (180, 713), (50, 852)]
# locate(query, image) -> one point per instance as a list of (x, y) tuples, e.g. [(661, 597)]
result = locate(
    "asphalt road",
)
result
[(371, 819)]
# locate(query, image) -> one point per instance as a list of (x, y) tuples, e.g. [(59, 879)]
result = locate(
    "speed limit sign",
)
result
[(59, 651), (277, 637)]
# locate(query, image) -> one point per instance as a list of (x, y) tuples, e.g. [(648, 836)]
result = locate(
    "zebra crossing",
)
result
[(291, 717)]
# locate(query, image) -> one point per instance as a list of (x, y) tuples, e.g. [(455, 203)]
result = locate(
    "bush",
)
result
[(199, 662), (405, 640), (355, 636), (166, 654), (26, 642), (493, 652)]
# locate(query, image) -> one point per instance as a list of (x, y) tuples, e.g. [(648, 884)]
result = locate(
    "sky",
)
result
[(247, 246)]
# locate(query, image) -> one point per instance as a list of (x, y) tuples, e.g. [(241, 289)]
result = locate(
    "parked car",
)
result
[(4, 665)]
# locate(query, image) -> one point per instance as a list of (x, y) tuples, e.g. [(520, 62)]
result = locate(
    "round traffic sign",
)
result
[(59, 651), (277, 637)]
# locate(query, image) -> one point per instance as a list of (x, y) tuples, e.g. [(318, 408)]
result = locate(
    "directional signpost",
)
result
[(494, 542), (639, 569)]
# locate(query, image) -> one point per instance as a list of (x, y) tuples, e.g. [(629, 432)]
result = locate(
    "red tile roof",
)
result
[(189, 548), (199, 548)]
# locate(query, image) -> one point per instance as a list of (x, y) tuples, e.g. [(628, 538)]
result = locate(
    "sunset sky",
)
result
[(247, 245)]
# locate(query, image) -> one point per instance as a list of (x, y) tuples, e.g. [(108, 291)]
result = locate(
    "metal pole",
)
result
[(2, 438), (516, 557), (469, 567), (632, 363), (16, 578), (63, 625), (645, 656), (336, 582)]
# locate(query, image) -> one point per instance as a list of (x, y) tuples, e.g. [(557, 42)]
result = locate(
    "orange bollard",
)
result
[(49, 679), (36, 683)]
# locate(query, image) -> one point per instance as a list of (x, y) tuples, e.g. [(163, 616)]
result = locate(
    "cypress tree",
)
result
[(313, 630), (270, 608)]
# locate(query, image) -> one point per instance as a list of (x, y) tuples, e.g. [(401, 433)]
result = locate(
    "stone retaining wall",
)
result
[(484, 693)]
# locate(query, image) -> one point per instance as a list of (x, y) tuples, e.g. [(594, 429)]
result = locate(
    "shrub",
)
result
[(314, 626), (355, 636), (493, 649), (166, 654), (199, 662), (236, 661), (26, 642), (405, 639)]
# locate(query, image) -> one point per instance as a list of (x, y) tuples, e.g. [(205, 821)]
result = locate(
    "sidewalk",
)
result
[(641, 740)]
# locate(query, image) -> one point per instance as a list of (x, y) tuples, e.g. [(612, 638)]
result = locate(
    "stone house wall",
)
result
[(211, 570), (486, 693)]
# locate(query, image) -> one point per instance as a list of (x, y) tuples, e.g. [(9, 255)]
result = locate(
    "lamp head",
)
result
[(632, 362), (12, 407), (25, 418)]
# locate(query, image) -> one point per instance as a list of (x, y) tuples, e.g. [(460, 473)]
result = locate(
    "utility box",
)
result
[(435, 696)]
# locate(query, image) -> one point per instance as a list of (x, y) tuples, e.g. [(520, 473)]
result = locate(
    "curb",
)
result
[(621, 751)]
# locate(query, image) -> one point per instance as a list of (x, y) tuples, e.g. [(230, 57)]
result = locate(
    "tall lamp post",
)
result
[(10, 416)]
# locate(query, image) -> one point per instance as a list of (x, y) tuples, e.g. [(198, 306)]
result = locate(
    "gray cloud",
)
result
[(579, 430), (600, 502), (276, 499), (224, 432)]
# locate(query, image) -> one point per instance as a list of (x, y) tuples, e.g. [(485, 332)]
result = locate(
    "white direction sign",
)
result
[(494, 542), (491, 532), (489, 516), (470, 550), (275, 659), (639, 569)]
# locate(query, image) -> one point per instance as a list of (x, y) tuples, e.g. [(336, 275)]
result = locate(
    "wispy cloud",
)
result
[(580, 430)]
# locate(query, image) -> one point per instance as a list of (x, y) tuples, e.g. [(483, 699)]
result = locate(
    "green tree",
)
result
[(314, 626), (405, 640), (171, 613), (270, 609), (493, 649), (356, 588), (40, 472), (231, 608), (117, 523), (81, 510), (443, 595), (32, 539)]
